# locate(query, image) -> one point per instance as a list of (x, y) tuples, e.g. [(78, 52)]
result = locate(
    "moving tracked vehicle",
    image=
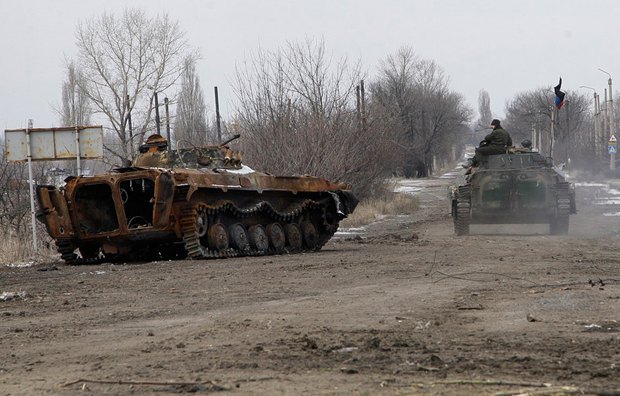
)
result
[(519, 187), (194, 203)]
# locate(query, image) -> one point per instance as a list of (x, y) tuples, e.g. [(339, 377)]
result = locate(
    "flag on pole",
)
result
[(559, 95)]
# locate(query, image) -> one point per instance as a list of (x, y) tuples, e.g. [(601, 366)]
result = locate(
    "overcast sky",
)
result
[(504, 47)]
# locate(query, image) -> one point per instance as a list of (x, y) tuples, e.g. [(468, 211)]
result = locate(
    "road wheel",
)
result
[(276, 236), (310, 235), (239, 238), (202, 221), (294, 239), (258, 238), (218, 237)]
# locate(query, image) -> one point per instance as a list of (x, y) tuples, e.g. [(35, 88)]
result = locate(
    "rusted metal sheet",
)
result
[(54, 212)]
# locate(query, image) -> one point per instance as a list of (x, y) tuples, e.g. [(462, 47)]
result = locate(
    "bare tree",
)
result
[(482, 127), (530, 112), (75, 107), (191, 122), (123, 60), (15, 203), (431, 119), (297, 115)]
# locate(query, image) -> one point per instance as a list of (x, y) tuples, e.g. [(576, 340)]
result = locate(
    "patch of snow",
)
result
[(607, 201), (453, 174), (7, 296), (21, 265), (588, 184), (413, 186), (407, 189), (612, 191), (245, 170), (611, 214), (98, 272), (344, 232), (345, 350)]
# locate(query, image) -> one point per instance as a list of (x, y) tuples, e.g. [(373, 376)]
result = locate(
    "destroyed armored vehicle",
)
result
[(194, 203), (519, 187)]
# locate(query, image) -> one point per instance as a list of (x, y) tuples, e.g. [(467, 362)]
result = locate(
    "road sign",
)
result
[(46, 144), (612, 149), (613, 138)]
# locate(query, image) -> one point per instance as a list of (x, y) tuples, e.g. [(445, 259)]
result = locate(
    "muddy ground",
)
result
[(405, 308)]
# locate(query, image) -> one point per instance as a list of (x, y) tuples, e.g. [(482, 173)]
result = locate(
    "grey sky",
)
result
[(504, 47)]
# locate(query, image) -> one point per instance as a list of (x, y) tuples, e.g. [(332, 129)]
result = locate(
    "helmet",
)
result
[(527, 143)]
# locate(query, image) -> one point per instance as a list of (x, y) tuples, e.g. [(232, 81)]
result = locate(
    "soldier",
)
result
[(495, 142), (527, 144)]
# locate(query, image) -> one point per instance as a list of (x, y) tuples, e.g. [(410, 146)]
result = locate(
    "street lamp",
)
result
[(610, 113)]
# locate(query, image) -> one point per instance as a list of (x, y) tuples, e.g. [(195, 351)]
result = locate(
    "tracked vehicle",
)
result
[(197, 203), (519, 187)]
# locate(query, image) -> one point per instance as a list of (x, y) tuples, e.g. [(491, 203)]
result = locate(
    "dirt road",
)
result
[(406, 308)]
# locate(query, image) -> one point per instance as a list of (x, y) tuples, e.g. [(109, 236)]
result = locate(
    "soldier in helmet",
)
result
[(527, 144)]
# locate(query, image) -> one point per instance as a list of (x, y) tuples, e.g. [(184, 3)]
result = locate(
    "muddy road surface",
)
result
[(405, 307)]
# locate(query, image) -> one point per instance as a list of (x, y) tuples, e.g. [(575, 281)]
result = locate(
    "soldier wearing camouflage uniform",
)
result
[(496, 142)]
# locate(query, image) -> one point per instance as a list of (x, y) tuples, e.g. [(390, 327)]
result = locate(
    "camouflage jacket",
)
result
[(499, 137)]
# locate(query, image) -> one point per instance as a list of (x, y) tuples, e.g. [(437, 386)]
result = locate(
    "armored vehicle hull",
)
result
[(219, 209), (513, 188)]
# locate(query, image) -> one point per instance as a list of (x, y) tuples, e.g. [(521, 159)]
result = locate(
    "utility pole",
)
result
[(567, 134), (358, 111), (539, 128), (598, 126), (31, 184), (553, 109), (157, 114), (128, 109), (217, 117), (610, 114), (167, 122)]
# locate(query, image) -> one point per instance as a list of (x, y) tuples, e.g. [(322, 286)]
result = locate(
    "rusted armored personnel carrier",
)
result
[(519, 187), (198, 203)]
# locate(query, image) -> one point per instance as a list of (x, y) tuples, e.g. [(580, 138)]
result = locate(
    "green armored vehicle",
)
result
[(519, 187), (197, 203)]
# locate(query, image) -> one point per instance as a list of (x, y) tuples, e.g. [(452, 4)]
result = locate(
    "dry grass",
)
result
[(16, 250), (371, 209)]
